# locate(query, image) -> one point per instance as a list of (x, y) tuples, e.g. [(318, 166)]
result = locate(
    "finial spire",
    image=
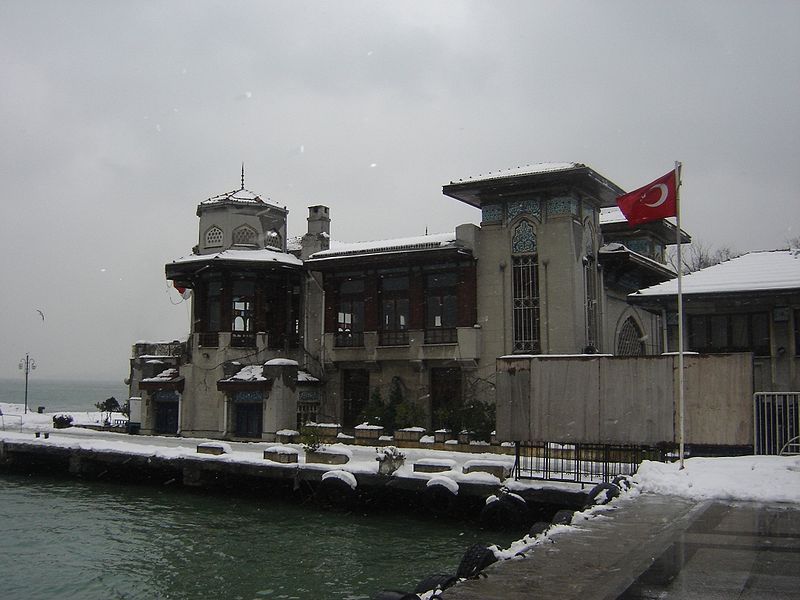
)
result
[(242, 175)]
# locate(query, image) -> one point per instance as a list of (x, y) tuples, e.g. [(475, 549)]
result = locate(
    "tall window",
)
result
[(525, 290), (394, 311), (590, 284), (350, 314), (242, 325), (630, 341), (211, 313), (797, 332), (746, 332), (441, 308)]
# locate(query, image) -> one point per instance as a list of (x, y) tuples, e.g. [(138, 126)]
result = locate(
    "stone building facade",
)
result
[(282, 334)]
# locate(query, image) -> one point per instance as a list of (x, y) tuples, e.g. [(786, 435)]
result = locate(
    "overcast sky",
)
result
[(117, 118)]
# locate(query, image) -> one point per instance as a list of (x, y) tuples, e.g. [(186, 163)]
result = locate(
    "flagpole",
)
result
[(681, 415)]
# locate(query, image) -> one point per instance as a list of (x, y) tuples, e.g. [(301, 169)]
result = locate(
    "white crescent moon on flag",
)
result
[(664, 193)]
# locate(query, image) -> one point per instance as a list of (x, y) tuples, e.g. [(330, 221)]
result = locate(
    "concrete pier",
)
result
[(657, 547)]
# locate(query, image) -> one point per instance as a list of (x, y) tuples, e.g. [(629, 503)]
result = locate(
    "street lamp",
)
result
[(27, 364)]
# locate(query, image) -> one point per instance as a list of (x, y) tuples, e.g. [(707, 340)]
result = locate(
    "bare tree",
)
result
[(699, 255)]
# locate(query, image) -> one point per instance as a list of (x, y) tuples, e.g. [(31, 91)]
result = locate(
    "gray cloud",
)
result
[(118, 118)]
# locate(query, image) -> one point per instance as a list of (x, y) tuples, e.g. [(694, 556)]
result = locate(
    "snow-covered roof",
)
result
[(535, 169), (249, 373), (240, 195), (422, 242), (165, 375), (612, 214), (774, 270), (617, 248), (306, 377), (263, 255)]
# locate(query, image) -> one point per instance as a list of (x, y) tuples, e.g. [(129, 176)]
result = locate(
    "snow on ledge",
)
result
[(445, 482), (345, 476)]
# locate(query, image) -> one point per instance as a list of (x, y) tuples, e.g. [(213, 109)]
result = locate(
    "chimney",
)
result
[(319, 231)]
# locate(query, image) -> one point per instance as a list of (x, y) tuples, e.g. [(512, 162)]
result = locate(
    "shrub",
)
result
[(62, 421), (310, 438)]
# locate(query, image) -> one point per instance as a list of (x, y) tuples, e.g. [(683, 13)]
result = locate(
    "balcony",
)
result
[(349, 339), (393, 338), (243, 339), (441, 335), (460, 344)]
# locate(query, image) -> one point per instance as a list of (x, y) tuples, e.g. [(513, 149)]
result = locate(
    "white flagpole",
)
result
[(681, 417)]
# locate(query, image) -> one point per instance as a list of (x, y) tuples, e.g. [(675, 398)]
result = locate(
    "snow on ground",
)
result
[(741, 478), (744, 478)]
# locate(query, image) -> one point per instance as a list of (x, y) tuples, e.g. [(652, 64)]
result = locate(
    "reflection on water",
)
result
[(71, 539)]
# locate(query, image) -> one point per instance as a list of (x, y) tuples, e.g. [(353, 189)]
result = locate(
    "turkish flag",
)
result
[(656, 200)]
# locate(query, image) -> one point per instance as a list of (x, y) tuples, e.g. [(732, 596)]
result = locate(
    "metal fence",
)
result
[(776, 420), (579, 463)]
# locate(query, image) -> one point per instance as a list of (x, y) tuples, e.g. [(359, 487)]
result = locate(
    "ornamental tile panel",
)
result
[(248, 396), (524, 207), (563, 205), (524, 240), (492, 213), (642, 246)]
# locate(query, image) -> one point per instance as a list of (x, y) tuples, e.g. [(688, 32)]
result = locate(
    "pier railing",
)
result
[(579, 463)]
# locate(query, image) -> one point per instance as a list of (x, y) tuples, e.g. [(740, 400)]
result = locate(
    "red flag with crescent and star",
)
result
[(656, 200)]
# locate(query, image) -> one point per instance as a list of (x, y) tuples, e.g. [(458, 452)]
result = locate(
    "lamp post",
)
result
[(27, 364)]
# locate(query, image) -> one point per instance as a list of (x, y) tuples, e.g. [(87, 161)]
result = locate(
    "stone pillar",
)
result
[(280, 411)]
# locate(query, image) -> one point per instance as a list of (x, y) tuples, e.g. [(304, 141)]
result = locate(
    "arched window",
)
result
[(214, 237), (525, 289), (244, 236), (273, 240), (630, 340)]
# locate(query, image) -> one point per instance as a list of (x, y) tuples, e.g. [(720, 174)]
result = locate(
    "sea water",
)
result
[(61, 395), (71, 539), (65, 538)]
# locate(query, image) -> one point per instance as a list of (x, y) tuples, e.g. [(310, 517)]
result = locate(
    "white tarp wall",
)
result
[(624, 400)]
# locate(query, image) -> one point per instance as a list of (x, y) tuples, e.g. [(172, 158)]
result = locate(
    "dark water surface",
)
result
[(64, 538)]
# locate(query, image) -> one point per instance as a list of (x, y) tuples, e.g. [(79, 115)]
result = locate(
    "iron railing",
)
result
[(393, 338), (579, 463), (349, 339), (776, 420), (441, 335)]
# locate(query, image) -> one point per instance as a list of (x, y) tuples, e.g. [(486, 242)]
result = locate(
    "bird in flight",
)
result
[(41, 314)]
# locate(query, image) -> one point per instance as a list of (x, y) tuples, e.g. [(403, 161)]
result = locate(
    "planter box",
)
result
[(371, 433), (465, 437), (215, 449), (440, 436), (409, 434), (285, 456), (326, 458), (434, 465), (327, 430)]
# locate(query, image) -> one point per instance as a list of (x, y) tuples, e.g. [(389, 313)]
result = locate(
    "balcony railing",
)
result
[(441, 335), (349, 339), (393, 338), (243, 339), (209, 340)]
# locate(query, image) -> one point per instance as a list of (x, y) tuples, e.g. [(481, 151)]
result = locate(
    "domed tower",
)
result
[(246, 310), (242, 220)]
